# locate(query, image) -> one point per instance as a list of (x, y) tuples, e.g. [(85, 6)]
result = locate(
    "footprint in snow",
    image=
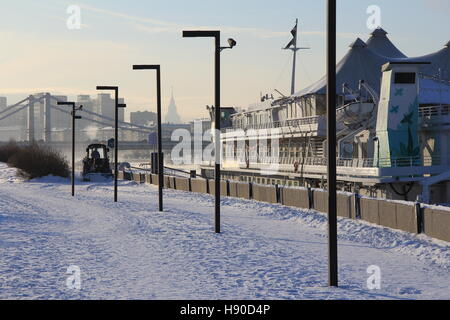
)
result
[(409, 290)]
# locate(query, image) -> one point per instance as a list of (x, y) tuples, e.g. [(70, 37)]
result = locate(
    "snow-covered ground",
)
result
[(129, 250)]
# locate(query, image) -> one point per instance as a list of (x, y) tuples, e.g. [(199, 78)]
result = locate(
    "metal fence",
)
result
[(425, 161), (434, 111), (277, 124)]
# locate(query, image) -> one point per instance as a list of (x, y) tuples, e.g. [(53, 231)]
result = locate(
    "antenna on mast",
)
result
[(292, 45)]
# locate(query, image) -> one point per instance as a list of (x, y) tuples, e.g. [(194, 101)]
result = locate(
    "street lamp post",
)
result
[(158, 111), (218, 49), (116, 131), (331, 138), (74, 117)]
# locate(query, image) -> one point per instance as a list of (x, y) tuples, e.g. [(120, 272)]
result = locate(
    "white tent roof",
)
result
[(360, 63), (439, 60), (379, 43), (434, 92), (364, 62)]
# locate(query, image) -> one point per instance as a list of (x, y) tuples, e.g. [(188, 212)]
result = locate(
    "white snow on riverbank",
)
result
[(129, 250)]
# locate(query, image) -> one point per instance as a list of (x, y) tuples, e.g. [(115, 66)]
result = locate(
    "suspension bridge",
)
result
[(101, 122)]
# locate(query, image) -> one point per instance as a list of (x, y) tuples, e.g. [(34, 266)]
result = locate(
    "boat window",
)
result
[(100, 151), (405, 77)]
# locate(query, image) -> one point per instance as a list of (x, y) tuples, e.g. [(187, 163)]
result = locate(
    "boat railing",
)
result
[(277, 124), (434, 111), (424, 112), (425, 161)]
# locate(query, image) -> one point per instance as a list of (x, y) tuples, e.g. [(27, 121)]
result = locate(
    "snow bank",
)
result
[(130, 250)]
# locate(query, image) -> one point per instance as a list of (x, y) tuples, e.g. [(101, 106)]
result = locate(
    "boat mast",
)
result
[(294, 61), (293, 46)]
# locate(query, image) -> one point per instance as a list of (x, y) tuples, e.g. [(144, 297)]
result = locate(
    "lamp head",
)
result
[(146, 67), (65, 103), (107, 88), (231, 42)]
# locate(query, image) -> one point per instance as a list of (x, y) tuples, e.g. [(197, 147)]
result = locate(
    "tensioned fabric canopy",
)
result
[(440, 63), (364, 61), (434, 92), (360, 63), (380, 43)]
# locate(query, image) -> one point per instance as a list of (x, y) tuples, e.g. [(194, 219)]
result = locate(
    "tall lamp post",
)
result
[(116, 130), (218, 49), (331, 138), (74, 117), (158, 111)]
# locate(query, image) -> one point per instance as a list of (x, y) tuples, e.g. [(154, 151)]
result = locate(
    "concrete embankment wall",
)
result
[(436, 223), (407, 216)]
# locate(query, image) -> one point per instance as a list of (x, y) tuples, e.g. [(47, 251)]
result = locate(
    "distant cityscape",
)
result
[(100, 110)]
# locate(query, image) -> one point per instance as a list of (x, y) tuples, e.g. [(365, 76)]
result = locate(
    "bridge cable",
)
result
[(17, 104), (112, 120), (104, 123)]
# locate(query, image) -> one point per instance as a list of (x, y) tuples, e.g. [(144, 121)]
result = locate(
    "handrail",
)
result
[(140, 169), (278, 124), (352, 162), (177, 170), (166, 168), (434, 111)]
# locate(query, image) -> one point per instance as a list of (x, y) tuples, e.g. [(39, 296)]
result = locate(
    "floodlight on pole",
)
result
[(231, 44), (216, 35), (158, 112), (74, 117), (116, 131)]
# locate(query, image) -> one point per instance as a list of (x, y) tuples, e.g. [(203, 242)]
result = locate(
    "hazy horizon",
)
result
[(44, 55)]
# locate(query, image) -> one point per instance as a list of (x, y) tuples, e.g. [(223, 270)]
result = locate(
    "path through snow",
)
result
[(128, 250)]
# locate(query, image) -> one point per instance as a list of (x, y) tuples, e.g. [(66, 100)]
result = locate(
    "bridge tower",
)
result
[(31, 102), (47, 119)]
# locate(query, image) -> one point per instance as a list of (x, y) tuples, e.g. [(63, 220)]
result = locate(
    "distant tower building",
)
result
[(61, 120), (3, 103), (13, 127), (172, 114), (88, 105), (105, 106)]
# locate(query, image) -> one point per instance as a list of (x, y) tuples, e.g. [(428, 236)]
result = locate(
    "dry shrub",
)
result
[(7, 150), (35, 161)]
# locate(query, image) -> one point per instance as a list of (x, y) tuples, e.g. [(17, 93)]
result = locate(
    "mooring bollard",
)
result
[(357, 206), (419, 217), (310, 198)]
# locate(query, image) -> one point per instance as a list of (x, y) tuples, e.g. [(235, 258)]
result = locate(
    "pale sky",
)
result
[(41, 54)]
